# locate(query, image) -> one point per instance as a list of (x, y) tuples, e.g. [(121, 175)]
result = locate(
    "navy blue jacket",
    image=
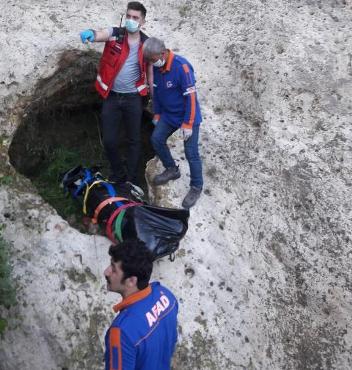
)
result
[(144, 334), (175, 98)]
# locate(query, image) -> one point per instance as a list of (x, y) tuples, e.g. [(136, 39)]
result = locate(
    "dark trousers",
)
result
[(122, 110)]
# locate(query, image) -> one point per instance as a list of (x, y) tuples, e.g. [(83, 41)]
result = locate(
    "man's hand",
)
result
[(186, 133), (87, 35)]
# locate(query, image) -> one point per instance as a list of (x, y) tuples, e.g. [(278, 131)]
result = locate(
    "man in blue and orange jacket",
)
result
[(144, 333), (175, 106)]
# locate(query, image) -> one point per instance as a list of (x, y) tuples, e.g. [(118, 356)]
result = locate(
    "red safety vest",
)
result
[(114, 56)]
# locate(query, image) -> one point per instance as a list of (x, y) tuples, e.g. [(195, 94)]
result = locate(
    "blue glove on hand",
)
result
[(87, 35)]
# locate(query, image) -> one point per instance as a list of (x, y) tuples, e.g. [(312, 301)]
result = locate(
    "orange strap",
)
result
[(102, 205)]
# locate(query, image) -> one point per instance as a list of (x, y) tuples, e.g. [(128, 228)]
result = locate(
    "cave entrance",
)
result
[(60, 129)]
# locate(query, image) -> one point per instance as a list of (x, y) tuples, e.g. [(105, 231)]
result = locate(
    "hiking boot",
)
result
[(171, 173), (191, 197)]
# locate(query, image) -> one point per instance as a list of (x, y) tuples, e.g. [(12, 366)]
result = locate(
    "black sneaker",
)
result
[(191, 197), (171, 173)]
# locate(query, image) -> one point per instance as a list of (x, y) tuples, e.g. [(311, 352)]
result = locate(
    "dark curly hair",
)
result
[(136, 5), (136, 260)]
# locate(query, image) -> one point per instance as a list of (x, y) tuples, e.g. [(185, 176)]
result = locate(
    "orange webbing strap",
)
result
[(102, 205), (86, 195)]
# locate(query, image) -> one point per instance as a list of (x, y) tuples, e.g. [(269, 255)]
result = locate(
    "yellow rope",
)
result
[(86, 195)]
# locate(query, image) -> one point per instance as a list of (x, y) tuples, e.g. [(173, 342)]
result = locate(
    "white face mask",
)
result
[(159, 63), (131, 25)]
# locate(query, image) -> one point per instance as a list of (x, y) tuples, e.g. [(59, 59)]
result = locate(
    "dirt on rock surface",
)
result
[(263, 274)]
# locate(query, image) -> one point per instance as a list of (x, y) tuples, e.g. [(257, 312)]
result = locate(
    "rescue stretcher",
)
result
[(122, 214)]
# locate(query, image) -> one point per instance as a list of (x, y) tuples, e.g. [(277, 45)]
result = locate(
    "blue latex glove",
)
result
[(87, 35), (155, 122)]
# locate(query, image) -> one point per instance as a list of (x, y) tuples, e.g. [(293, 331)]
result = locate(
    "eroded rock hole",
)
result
[(60, 129)]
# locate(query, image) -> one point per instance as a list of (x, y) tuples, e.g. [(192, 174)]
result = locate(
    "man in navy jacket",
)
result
[(144, 333), (175, 106)]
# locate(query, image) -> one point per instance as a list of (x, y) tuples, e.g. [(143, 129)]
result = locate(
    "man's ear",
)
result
[(132, 281)]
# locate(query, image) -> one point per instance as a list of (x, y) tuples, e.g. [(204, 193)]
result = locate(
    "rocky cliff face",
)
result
[(263, 275)]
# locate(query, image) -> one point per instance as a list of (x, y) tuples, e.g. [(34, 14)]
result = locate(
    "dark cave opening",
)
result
[(60, 129)]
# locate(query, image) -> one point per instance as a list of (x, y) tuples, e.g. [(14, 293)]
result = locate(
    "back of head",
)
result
[(152, 47), (136, 5), (136, 260)]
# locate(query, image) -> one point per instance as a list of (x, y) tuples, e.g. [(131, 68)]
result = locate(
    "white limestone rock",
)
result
[(263, 274)]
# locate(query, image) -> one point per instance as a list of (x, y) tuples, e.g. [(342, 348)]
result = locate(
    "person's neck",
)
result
[(134, 37), (129, 292)]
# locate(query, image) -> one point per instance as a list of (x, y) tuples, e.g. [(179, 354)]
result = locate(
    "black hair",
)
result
[(136, 260), (136, 5)]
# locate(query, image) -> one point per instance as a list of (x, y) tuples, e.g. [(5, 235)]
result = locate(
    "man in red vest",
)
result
[(122, 82)]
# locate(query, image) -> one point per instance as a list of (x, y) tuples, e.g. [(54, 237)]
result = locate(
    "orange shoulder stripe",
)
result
[(185, 68), (169, 61)]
